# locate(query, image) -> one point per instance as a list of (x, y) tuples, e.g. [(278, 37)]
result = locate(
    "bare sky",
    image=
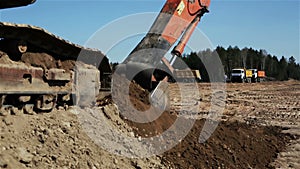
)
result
[(272, 25)]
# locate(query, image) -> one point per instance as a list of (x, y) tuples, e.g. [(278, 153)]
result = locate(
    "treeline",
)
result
[(209, 61)]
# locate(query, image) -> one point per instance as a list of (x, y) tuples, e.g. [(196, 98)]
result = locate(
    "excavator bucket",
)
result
[(159, 97), (175, 20)]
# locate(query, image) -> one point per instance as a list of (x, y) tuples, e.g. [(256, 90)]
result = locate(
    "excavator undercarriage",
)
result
[(40, 71)]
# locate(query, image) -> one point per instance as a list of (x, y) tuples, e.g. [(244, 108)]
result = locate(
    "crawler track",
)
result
[(38, 38)]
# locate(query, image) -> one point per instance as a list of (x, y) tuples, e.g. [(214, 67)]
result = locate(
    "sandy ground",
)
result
[(258, 129)]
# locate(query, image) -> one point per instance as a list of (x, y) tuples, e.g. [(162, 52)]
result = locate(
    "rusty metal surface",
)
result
[(15, 73), (57, 74), (22, 79), (36, 67)]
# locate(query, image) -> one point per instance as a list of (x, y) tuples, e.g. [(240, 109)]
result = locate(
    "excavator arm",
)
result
[(178, 18)]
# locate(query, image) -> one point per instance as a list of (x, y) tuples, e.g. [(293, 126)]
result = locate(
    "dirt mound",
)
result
[(4, 58), (42, 60), (139, 104), (232, 145), (56, 140), (67, 64), (46, 61)]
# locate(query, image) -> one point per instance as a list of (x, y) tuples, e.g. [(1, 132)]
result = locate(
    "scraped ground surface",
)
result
[(259, 128)]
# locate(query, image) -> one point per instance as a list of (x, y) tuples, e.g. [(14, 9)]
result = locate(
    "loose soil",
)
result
[(42, 60), (259, 129), (232, 145)]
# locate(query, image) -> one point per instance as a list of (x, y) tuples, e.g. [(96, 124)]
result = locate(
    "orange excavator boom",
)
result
[(178, 18)]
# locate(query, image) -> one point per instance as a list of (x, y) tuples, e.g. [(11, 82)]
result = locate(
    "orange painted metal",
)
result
[(183, 13), (178, 18), (179, 48), (261, 73)]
